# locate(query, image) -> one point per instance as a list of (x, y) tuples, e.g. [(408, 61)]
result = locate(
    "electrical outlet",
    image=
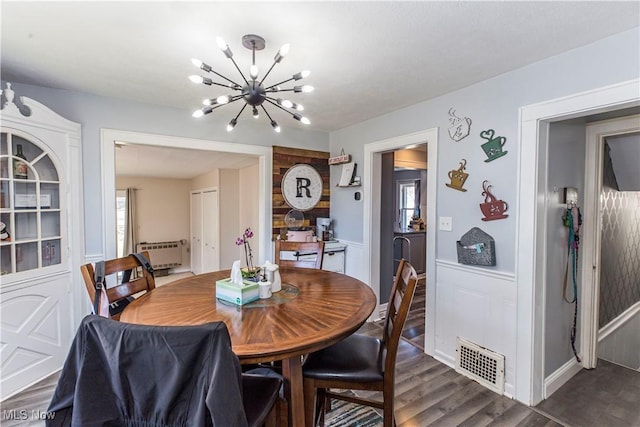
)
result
[(446, 223)]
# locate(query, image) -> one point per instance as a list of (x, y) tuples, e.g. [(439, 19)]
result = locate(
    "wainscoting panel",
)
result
[(353, 260), (478, 305), (618, 341)]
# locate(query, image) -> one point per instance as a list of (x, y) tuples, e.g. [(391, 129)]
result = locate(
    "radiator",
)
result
[(163, 254), (480, 364)]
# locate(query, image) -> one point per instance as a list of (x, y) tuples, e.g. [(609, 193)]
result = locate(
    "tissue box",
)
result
[(240, 295)]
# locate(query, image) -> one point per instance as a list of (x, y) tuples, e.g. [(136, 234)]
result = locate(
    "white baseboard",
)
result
[(556, 380)]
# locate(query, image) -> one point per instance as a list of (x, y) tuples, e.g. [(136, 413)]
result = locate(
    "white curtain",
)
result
[(130, 223)]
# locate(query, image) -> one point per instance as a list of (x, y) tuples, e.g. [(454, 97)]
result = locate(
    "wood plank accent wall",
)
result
[(283, 159)]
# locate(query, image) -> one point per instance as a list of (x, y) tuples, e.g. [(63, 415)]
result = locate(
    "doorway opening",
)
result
[(378, 247), (261, 171), (403, 210), (533, 228)]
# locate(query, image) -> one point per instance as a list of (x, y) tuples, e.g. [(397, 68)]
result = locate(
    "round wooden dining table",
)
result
[(315, 309)]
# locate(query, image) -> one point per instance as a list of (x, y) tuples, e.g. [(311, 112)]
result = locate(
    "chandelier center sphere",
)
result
[(254, 93)]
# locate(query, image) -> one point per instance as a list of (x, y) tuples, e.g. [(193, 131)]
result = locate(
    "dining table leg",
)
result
[(293, 390)]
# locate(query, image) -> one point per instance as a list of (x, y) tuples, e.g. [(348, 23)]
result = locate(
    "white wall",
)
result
[(162, 207), (567, 145), (207, 180), (491, 104), (229, 203), (248, 205)]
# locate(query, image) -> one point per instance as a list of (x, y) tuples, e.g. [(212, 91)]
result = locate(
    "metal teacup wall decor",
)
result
[(460, 126), (458, 177), (492, 208), (493, 147)]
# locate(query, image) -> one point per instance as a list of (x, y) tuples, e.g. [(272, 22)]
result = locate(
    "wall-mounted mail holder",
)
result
[(476, 247)]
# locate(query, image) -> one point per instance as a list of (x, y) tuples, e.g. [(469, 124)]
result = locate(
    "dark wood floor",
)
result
[(429, 393)]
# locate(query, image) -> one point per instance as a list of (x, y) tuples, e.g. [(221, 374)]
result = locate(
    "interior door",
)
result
[(210, 237), (196, 232)]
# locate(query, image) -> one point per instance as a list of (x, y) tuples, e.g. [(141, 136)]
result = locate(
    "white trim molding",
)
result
[(619, 321), (564, 373)]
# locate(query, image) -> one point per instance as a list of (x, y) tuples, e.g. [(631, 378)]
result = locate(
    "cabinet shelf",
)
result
[(31, 208)]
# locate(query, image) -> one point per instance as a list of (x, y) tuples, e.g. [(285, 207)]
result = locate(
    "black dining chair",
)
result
[(125, 374), (361, 362)]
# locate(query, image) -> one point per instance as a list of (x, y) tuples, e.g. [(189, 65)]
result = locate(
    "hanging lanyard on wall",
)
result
[(572, 220)]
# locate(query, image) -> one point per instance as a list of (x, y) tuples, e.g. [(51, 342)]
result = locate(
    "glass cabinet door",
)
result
[(30, 215)]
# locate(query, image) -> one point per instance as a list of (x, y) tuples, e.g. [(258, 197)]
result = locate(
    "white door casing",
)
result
[(371, 219), (41, 307), (591, 229), (531, 229)]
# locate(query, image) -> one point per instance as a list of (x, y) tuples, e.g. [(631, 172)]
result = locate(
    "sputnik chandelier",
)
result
[(253, 92)]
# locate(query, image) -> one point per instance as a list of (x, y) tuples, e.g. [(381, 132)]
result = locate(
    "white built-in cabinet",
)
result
[(205, 218), (42, 243)]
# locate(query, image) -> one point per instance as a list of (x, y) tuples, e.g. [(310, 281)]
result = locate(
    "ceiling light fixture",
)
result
[(253, 92)]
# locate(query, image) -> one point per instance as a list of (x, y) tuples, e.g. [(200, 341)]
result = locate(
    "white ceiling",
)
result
[(366, 58), (163, 162)]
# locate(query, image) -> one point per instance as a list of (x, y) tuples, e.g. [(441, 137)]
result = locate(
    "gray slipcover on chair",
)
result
[(119, 374)]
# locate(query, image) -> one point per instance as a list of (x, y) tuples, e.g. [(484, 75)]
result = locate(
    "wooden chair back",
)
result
[(402, 291), (300, 248), (145, 281)]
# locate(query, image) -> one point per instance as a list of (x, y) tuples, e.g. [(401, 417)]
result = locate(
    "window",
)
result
[(121, 215), (408, 202)]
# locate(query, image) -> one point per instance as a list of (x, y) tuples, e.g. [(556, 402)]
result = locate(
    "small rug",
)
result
[(347, 414)]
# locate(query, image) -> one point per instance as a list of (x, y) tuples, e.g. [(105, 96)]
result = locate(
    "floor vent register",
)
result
[(480, 364)]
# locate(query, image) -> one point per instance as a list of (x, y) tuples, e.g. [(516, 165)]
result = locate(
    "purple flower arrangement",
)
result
[(248, 255)]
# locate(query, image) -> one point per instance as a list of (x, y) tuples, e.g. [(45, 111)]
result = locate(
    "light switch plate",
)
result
[(445, 223)]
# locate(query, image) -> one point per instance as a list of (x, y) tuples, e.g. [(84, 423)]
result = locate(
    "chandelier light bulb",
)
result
[(208, 101), (301, 75), (301, 119), (196, 62), (298, 107), (256, 114), (224, 47), (253, 72), (285, 103), (281, 53), (304, 89), (221, 43), (224, 99), (275, 126), (198, 113), (196, 79), (231, 125)]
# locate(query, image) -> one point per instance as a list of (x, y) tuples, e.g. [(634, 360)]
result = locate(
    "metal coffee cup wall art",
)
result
[(460, 126), (458, 177), (493, 147), (492, 208)]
